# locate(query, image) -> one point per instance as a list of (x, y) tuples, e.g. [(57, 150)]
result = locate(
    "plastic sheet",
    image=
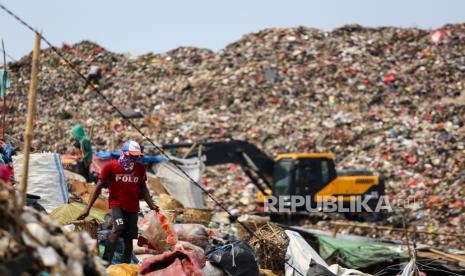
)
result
[(196, 234), (178, 185)]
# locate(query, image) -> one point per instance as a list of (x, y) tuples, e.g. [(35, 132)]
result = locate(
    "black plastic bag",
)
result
[(236, 258), (315, 269)]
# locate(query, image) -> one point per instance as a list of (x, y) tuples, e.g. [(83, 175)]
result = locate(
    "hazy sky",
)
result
[(142, 26)]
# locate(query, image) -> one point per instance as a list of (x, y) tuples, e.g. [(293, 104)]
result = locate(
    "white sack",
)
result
[(178, 185), (46, 178), (299, 253)]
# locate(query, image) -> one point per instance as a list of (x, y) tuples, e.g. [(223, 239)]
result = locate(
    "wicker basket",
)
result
[(90, 226), (201, 216), (270, 243)]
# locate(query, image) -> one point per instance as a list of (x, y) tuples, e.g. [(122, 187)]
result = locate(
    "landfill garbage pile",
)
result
[(34, 244), (390, 100)]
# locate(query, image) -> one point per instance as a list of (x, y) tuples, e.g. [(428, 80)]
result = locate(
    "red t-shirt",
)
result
[(124, 187)]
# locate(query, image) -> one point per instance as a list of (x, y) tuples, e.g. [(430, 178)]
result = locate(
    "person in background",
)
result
[(6, 159), (83, 148), (126, 181), (94, 75)]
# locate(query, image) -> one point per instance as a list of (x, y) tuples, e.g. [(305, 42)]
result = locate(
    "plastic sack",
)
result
[(299, 255), (211, 270), (182, 245), (197, 234), (46, 178), (177, 262), (316, 269), (178, 186), (123, 270), (156, 228), (235, 259)]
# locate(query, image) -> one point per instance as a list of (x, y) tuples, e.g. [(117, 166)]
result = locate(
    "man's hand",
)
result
[(83, 215), (95, 194), (147, 198)]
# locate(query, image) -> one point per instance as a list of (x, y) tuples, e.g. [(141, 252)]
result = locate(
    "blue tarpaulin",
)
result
[(146, 159)]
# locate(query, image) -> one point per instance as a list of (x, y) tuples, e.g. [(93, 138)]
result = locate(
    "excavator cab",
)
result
[(315, 175), (303, 174)]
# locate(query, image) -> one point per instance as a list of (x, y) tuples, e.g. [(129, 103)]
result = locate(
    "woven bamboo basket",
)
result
[(90, 226), (200, 216), (270, 243)]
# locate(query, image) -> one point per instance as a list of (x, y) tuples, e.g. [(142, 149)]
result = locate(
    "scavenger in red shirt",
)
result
[(126, 179), (124, 187)]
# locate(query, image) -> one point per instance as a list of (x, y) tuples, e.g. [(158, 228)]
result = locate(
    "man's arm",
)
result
[(146, 196), (95, 195)]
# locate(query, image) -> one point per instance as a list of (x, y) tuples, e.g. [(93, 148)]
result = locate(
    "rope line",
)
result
[(109, 102)]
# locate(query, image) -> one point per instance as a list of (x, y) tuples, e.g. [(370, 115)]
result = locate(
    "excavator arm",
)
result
[(255, 163)]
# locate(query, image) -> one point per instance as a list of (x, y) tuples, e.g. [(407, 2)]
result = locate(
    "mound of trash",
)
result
[(389, 100)]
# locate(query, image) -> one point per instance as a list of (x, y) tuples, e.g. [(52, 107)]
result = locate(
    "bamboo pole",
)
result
[(4, 95), (406, 233), (199, 153), (410, 230), (112, 141), (453, 257), (190, 150), (30, 117)]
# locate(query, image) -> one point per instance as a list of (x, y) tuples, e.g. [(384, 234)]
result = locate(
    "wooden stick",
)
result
[(335, 230), (406, 234), (453, 257), (199, 154), (30, 117), (4, 95), (189, 151), (112, 141), (362, 225)]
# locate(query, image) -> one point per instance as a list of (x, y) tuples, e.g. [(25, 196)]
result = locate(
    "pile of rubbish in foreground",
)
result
[(184, 237), (32, 242), (389, 100)]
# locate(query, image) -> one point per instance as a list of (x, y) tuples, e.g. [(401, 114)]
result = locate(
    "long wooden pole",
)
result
[(409, 230), (30, 117), (454, 257), (4, 95)]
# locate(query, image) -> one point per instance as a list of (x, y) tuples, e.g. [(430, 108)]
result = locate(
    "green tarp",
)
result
[(358, 254), (5, 83)]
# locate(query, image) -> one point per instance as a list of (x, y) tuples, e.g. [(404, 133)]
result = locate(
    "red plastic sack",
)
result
[(158, 231), (171, 240), (182, 262)]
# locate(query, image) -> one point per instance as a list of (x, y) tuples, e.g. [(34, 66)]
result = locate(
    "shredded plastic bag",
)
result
[(197, 234), (158, 231), (123, 270)]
